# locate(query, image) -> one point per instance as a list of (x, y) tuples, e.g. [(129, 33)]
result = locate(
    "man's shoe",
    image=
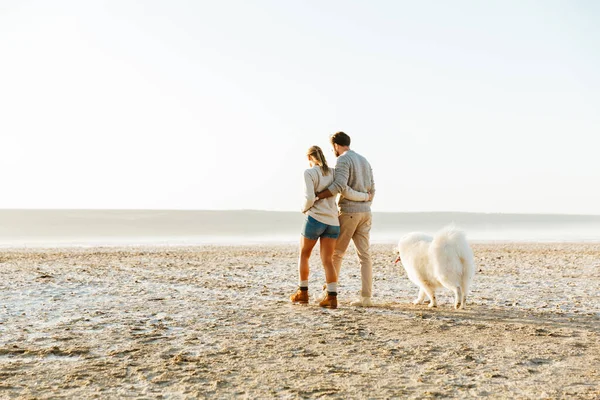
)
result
[(330, 301), (363, 302), (301, 296)]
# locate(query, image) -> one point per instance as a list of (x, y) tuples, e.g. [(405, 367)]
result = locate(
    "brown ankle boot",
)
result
[(301, 296), (330, 301)]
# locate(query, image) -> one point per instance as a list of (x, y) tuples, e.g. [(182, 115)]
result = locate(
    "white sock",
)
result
[(304, 284), (332, 287)]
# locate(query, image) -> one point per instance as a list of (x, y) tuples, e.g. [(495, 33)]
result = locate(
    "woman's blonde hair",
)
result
[(317, 155)]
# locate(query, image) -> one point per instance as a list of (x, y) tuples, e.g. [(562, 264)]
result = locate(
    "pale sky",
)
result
[(482, 106)]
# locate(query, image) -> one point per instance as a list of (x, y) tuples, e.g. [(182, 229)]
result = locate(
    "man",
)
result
[(353, 170)]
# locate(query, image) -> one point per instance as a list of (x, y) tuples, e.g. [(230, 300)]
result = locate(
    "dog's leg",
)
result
[(463, 299), (465, 289), (430, 292), (420, 297), (458, 298)]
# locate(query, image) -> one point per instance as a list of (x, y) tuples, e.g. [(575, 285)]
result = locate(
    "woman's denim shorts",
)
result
[(314, 229)]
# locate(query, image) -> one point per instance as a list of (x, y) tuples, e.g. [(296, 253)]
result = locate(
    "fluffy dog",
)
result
[(444, 260)]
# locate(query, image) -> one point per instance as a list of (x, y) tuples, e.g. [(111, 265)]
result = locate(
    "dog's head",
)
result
[(399, 266), (398, 249), (397, 254)]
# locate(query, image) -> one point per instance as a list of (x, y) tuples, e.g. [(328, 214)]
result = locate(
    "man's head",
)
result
[(340, 142)]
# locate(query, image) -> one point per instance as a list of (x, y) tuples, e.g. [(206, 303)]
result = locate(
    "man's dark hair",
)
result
[(340, 138)]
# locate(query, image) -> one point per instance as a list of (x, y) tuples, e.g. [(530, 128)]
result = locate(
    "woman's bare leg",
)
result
[(327, 249), (306, 247)]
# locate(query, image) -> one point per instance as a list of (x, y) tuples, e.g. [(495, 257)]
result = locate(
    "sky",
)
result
[(459, 106)]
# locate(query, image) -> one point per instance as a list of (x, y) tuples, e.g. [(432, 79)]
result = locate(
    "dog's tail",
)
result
[(450, 248)]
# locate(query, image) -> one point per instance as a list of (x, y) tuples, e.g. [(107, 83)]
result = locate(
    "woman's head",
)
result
[(315, 155)]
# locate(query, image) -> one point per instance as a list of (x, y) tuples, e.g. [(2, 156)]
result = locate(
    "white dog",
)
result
[(432, 262)]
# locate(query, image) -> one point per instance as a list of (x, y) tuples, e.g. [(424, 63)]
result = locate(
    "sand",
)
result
[(214, 321)]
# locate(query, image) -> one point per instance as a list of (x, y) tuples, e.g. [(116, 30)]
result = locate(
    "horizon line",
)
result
[(293, 211)]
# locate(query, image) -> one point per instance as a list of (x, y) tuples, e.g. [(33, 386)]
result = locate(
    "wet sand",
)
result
[(214, 321)]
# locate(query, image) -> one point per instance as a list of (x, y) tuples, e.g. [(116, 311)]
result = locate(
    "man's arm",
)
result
[(372, 191), (324, 194), (340, 181)]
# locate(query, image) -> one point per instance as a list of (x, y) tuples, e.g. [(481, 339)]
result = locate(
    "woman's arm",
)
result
[(346, 191), (353, 195), (309, 191)]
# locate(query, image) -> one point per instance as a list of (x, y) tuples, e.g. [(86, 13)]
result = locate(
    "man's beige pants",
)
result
[(356, 227)]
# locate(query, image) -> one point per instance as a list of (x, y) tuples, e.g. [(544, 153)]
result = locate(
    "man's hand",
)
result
[(324, 194), (371, 195)]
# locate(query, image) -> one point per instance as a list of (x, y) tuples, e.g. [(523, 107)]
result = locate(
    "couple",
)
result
[(353, 181)]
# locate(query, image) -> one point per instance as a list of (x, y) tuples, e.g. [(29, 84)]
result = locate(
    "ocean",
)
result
[(60, 228)]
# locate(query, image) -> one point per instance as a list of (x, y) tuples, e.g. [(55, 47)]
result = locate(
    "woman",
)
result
[(321, 223)]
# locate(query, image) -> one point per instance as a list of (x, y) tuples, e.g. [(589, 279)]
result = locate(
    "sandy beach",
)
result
[(215, 321)]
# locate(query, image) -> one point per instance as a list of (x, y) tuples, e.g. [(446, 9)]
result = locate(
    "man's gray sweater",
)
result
[(353, 170)]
